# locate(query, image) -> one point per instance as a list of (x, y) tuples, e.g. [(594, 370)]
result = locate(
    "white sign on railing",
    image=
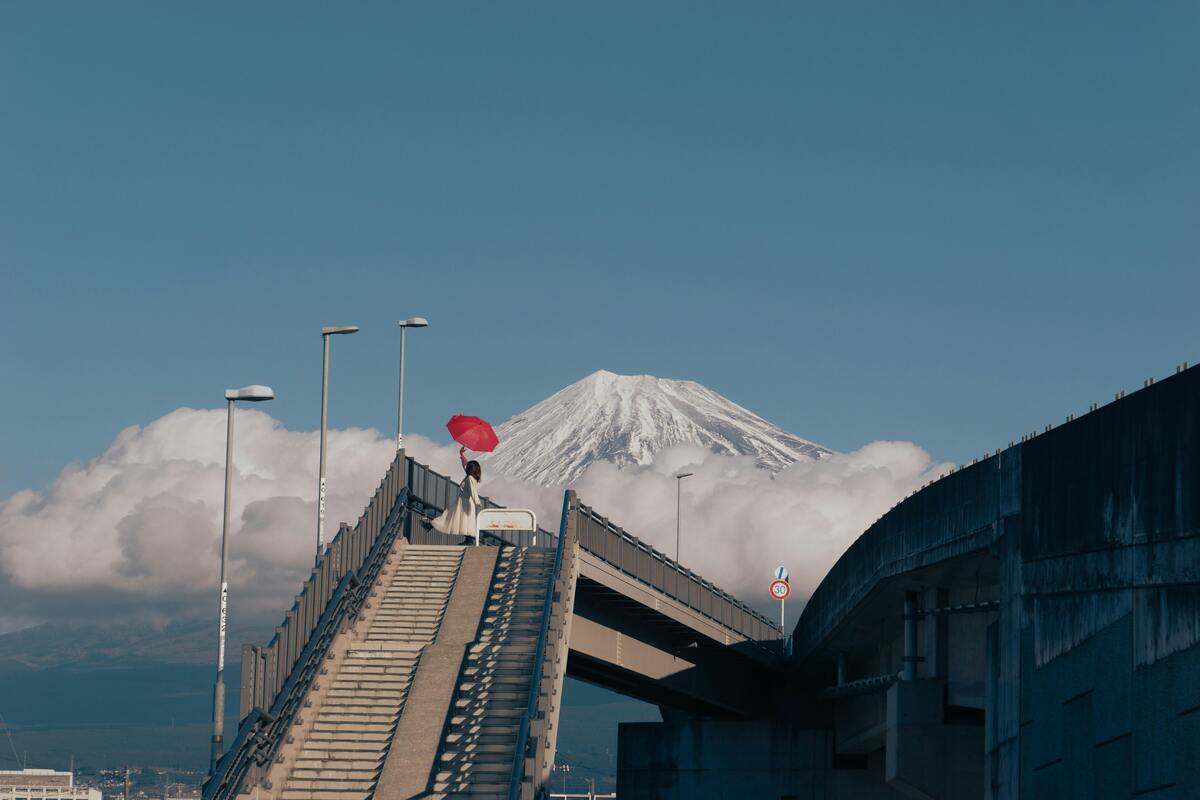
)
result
[(507, 519)]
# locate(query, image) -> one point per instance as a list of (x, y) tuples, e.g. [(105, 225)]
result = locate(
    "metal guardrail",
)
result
[(277, 675), (265, 668), (539, 666), (436, 491), (623, 550), (635, 558), (861, 686), (260, 734)]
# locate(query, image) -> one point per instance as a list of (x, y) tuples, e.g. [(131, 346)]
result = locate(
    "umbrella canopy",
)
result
[(473, 433)]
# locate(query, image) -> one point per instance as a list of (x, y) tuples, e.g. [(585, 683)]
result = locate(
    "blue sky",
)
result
[(920, 222)]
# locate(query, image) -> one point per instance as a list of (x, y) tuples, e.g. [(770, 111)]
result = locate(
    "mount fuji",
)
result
[(627, 419)]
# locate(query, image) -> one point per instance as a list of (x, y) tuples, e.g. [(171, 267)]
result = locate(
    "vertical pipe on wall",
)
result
[(909, 672)]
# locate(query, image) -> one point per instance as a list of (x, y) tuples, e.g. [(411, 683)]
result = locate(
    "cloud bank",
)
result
[(134, 535), (738, 522)]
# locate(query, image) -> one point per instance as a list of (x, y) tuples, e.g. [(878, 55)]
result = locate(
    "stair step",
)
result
[(328, 737), (321, 768), (362, 784), (351, 747), (474, 767), (336, 693), (492, 787), (471, 750), (370, 757)]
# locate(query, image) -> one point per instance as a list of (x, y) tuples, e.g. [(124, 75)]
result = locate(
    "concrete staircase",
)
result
[(475, 756), (353, 722)]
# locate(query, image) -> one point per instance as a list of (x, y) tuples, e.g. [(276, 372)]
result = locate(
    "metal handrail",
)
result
[(642, 546), (518, 770), (673, 564), (484, 501), (258, 743)]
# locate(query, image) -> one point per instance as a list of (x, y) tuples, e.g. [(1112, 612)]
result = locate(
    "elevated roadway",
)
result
[(1024, 627), (411, 665)]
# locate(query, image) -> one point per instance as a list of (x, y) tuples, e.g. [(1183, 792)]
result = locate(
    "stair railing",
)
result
[(614, 545), (261, 733), (435, 491), (528, 717), (544, 728)]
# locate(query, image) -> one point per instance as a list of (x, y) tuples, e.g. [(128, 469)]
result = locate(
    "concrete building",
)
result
[(1026, 627), (43, 784)]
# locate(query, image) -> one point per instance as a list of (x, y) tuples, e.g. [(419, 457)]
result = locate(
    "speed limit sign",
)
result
[(780, 589)]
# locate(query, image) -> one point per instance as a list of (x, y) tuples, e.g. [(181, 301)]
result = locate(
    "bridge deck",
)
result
[(391, 641)]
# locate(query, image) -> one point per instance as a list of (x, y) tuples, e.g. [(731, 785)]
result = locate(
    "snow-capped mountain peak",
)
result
[(627, 419)]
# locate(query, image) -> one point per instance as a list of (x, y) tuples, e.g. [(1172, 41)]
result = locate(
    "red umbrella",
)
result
[(473, 433)]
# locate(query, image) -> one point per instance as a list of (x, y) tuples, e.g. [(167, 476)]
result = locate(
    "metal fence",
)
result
[(618, 547), (435, 491), (541, 709), (276, 676), (635, 558), (265, 668)]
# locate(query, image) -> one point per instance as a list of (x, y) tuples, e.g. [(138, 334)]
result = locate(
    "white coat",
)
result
[(459, 518)]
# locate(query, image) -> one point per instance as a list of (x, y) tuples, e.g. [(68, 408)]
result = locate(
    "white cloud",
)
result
[(134, 535), (739, 522)]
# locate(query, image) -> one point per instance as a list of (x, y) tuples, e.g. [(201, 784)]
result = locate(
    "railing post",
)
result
[(246, 692)]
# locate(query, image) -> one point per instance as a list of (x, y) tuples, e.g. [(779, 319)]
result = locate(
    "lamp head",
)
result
[(330, 330), (414, 322), (683, 475), (250, 394)]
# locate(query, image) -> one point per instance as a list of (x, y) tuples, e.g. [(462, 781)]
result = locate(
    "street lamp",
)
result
[(678, 484), (326, 332), (250, 394), (405, 324)]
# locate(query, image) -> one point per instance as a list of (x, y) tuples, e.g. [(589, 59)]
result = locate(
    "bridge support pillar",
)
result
[(926, 758), (937, 634), (909, 672)]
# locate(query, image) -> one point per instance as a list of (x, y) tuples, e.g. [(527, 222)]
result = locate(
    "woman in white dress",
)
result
[(459, 518)]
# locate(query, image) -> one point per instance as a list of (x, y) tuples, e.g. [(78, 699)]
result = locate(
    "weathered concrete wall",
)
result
[(1094, 725), (952, 517), (732, 760), (1086, 539), (1094, 665), (1090, 678)]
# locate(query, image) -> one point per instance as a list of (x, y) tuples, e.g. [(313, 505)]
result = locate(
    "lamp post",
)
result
[(326, 332), (251, 394), (678, 488), (405, 324)]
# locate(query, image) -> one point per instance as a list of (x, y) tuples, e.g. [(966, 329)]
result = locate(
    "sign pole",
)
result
[(781, 587)]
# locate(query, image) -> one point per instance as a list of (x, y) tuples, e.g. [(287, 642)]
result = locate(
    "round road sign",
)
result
[(780, 590), (781, 573)]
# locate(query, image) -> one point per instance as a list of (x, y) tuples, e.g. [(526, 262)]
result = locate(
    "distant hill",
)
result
[(110, 696), (105, 647)]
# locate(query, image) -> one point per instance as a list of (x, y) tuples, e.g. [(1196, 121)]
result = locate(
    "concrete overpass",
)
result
[(403, 635), (643, 624), (1025, 627)]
